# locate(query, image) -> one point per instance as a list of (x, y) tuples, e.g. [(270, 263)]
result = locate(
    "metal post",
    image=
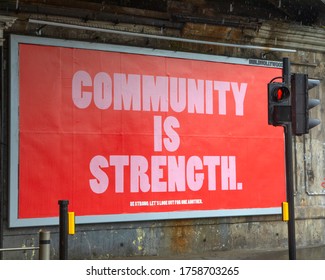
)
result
[(44, 245), (63, 229), (286, 71), (290, 193), (2, 149), (286, 75)]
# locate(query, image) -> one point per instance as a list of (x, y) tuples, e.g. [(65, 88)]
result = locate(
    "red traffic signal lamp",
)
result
[(280, 93), (279, 110)]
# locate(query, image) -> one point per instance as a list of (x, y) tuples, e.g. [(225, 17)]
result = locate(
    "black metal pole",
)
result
[(286, 75), (63, 229), (2, 150), (286, 71), (290, 193)]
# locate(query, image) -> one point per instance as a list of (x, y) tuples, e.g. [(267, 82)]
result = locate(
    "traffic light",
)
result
[(278, 104), (301, 104)]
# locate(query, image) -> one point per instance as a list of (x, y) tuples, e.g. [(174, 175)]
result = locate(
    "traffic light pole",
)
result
[(288, 106), (290, 192), (289, 171)]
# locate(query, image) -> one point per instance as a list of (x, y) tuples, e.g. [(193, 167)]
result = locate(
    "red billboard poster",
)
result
[(130, 134)]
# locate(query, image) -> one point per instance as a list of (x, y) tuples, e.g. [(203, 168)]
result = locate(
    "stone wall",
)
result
[(175, 238)]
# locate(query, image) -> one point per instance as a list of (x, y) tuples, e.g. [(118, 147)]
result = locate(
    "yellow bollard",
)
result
[(71, 223)]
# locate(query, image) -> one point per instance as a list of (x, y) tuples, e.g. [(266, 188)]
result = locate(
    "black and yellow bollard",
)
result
[(67, 226)]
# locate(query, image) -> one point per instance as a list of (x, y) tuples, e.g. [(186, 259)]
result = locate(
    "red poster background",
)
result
[(57, 140)]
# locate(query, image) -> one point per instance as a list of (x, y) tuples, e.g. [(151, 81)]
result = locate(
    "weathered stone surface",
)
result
[(201, 20)]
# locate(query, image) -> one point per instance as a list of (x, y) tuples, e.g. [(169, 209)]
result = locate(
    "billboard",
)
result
[(131, 134)]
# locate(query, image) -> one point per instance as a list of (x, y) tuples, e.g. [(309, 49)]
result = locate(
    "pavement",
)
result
[(307, 253)]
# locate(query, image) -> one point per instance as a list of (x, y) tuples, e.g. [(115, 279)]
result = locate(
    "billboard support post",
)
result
[(63, 229)]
